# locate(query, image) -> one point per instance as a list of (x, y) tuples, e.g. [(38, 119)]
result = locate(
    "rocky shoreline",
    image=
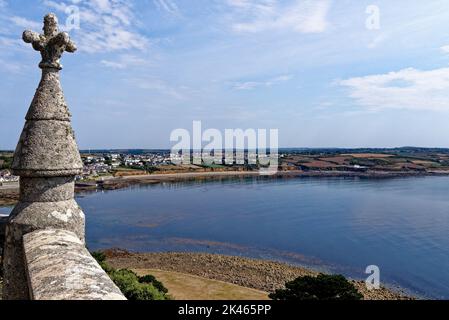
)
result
[(251, 273), (9, 197)]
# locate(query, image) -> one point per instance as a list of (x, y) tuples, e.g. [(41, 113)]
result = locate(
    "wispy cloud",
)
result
[(168, 6), (10, 66), (160, 87), (405, 89), (125, 61), (377, 40), (113, 64), (445, 49), (249, 85), (106, 25), (25, 23), (305, 16), (10, 42)]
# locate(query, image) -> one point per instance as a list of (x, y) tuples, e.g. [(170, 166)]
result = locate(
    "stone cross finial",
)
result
[(51, 44), (47, 160)]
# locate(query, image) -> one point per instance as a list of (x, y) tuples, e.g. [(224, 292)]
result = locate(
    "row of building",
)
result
[(98, 164), (6, 176)]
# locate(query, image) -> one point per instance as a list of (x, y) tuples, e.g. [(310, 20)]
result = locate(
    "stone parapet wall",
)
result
[(44, 254), (3, 222), (59, 267)]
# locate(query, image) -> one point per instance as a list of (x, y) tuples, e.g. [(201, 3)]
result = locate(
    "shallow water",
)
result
[(335, 224)]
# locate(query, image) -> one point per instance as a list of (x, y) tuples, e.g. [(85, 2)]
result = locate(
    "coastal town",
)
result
[(118, 169), (7, 177), (99, 164)]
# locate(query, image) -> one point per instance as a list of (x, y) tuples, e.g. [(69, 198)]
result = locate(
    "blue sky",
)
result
[(310, 68)]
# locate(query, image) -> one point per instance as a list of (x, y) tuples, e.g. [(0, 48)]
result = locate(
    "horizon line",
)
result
[(83, 150)]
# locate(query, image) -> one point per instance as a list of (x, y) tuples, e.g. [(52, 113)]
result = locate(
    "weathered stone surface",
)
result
[(60, 268), (28, 217), (51, 44), (15, 286), (49, 102), (47, 148), (3, 222), (31, 216), (46, 190)]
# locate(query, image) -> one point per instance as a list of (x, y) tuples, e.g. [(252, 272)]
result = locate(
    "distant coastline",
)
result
[(117, 169), (126, 181), (9, 194)]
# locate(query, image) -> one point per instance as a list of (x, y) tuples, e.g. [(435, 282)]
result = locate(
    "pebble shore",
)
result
[(251, 273)]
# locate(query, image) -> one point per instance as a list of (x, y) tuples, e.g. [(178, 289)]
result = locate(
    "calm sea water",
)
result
[(338, 225)]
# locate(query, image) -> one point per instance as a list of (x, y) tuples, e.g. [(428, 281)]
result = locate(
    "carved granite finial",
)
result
[(51, 44), (47, 160)]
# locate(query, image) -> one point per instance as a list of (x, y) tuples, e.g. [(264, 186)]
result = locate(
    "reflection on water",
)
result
[(5, 211), (341, 225)]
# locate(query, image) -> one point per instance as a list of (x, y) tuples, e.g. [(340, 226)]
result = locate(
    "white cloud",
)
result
[(285, 77), (405, 89), (257, 6), (113, 64), (25, 23), (305, 16), (105, 25), (249, 85), (10, 43), (445, 49), (160, 87), (377, 40), (126, 61), (168, 6), (10, 66), (103, 5)]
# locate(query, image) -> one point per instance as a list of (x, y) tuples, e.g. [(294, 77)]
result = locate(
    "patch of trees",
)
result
[(322, 287), (133, 286), (5, 162)]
